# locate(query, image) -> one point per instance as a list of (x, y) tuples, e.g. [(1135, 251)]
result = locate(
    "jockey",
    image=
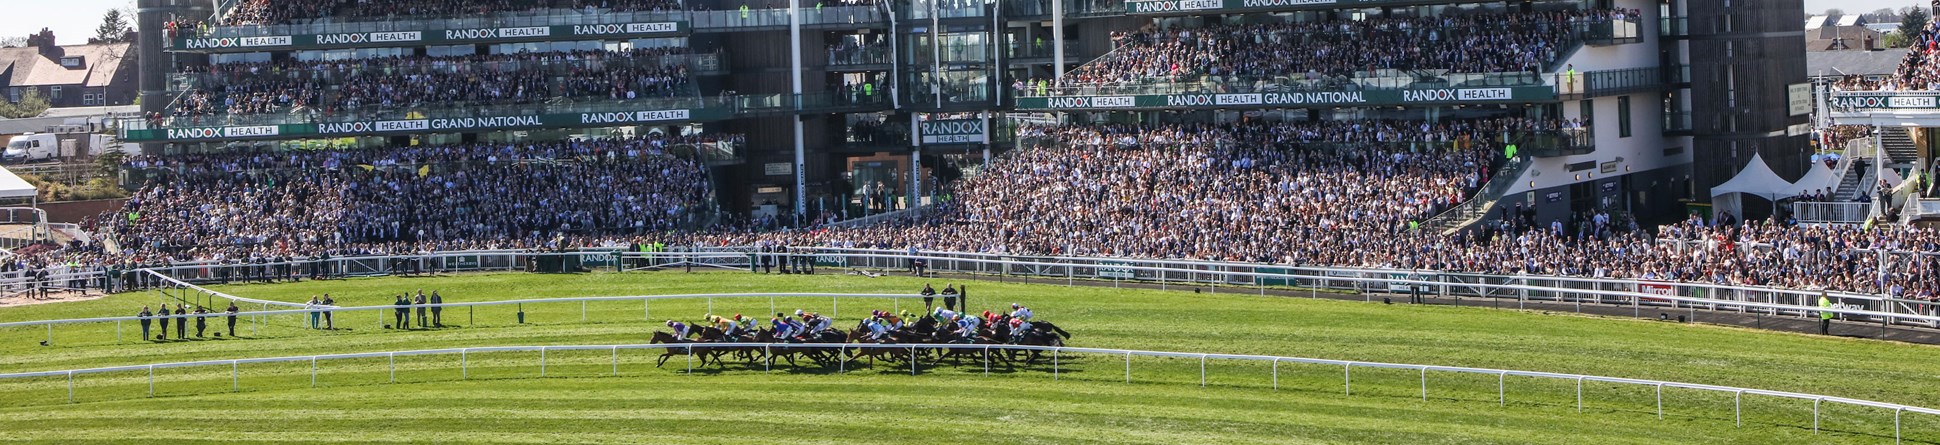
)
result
[(1018, 327), (816, 323), (1018, 311), (680, 329), (876, 329), (943, 315), (727, 326), (747, 323), (989, 317), (894, 322), (782, 328), (968, 326)]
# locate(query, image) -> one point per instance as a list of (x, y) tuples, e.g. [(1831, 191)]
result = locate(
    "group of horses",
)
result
[(925, 331)]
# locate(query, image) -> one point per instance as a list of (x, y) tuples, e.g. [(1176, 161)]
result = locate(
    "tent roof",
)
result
[(11, 186), (1819, 177), (1756, 179)]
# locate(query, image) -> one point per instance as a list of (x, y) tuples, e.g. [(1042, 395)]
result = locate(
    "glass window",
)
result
[(1588, 116), (1623, 116)]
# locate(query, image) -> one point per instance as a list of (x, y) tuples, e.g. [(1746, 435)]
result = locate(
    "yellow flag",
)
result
[(367, 167), (424, 171)]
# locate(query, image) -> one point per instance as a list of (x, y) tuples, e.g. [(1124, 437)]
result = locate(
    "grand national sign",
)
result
[(953, 131)]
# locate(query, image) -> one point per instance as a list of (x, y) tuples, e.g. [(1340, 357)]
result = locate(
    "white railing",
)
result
[(259, 317), (1832, 212), (1639, 295), (1244, 277), (1058, 361)]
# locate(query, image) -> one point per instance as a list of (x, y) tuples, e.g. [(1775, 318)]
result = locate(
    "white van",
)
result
[(30, 147)]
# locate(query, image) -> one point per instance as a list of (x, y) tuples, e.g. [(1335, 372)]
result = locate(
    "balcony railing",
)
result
[(854, 56), (1386, 80), (550, 17), (329, 74), (1550, 144), (1677, 122)]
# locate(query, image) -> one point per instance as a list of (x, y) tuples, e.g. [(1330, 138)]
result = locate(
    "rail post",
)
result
[(767, 358), (616, 360), (117, 331), (912, 364), (542, 361), (1896, 423), (986, 360), (235, 378), (1347, 377), (70, 391), (1660, 403), (313, 375), (464, 364), (393, 357), (1276, 373), (50, 334), (842, 359), (151, 381), (646, 309), (690, 359), (582, 311), (1815, 414), (1424, 383), (1501, 390), (1054, 364), (1738, 407), (1128, 367), (1579, 394)]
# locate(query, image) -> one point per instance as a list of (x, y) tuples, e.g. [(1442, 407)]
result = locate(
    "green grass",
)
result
[(505, 401)]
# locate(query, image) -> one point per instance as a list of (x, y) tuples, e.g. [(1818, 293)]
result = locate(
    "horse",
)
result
[(662, 337), (887, 354)]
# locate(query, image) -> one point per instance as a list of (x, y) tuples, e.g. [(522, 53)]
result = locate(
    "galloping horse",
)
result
[(660, 337)]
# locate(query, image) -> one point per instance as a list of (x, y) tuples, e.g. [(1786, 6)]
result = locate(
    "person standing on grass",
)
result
[(437, 311), (162, 319), (1825, 314), (402, 313), (232, 318), (314, 315), (422, 320), (182, 321), (201, 321), (144, 315), (328, 322)]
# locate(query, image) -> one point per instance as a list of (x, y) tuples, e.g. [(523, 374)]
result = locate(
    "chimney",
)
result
[(44, 41)]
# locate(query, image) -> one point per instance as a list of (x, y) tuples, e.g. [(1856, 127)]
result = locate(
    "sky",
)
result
[(73, 21)]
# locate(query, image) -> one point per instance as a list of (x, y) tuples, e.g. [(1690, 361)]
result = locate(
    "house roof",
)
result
[(1859, 63), (27, 66)]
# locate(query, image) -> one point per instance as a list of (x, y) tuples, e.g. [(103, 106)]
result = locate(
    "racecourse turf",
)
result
[(505, 400)]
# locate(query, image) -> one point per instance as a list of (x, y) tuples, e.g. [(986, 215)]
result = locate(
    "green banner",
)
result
[(1875, 101), (436, 37), (437, 124), (1295, 100), (1160, 7)]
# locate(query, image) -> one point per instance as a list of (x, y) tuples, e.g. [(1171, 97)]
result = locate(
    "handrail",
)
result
[(1347, 365), (334, 309)]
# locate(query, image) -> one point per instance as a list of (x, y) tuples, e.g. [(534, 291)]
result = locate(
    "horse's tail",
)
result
[(1054, 328)]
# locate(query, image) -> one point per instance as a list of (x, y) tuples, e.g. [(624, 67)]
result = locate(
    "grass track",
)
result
[(505, 403)]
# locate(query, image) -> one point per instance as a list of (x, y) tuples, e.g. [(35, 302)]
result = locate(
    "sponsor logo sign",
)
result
[(953, 131)]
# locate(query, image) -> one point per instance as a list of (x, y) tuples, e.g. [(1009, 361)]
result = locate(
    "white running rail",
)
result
[(1057, 354)]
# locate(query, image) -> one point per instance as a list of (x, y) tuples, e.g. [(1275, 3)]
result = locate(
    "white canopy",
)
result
[(11, 186), (1756, 179), (1820, 177)]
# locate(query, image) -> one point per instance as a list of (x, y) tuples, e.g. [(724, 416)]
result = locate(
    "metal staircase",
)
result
[(1478, 207), (1900, 148), (1855, 182)]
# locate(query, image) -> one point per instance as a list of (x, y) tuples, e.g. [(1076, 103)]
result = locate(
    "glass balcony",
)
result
[(549, 17)]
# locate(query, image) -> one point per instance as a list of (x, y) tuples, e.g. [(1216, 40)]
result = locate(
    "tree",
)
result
[(13, 42), (30, 105), (1912, 24), (113, 29)]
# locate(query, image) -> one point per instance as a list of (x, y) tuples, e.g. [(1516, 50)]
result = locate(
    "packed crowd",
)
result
[(1464, 43), (395, 82), (247, 206), (1918, 70), (279, 12)]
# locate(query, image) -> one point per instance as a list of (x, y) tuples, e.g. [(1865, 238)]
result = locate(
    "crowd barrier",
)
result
[(1058, 356)]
